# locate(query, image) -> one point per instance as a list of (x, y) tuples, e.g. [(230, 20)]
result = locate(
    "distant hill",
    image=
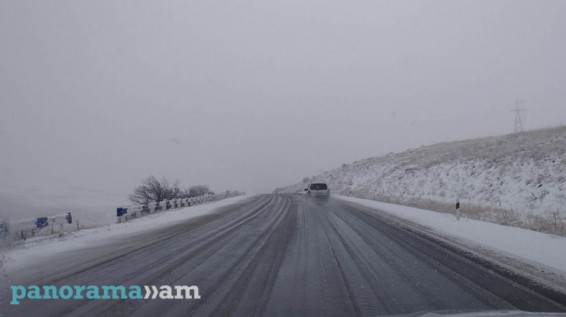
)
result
[(517, 179)]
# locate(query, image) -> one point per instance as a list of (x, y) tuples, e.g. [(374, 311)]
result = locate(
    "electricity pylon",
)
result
[(518, 117)]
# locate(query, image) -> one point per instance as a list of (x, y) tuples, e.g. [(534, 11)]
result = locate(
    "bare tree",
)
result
[(4, 228), (153, 189), (198, 190)]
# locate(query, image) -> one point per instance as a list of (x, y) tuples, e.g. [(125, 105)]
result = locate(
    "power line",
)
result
[(518, 117)]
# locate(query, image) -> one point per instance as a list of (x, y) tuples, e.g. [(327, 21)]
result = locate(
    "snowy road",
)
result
[(281, 255)]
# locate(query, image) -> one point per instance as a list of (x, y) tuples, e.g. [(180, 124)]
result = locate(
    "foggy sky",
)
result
[(251, 95)]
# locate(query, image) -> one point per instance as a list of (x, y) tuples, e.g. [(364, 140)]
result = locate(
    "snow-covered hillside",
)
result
[(517, 179)]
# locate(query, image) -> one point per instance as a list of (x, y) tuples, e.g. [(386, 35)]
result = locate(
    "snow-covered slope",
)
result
[(517, 179)]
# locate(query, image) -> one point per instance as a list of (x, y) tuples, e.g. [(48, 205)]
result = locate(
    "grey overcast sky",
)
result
[(251, 95)]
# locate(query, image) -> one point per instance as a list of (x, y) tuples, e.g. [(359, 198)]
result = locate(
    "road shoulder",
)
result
[(538, 261)]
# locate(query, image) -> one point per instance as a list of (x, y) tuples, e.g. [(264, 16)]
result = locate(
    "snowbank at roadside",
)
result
[(537, 247), (35, 250)]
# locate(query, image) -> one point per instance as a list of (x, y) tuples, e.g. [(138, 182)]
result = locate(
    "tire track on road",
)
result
[(262, 270), (492, 285)]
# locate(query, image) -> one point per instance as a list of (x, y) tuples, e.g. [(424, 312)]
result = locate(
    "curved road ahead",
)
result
[(282, 255)]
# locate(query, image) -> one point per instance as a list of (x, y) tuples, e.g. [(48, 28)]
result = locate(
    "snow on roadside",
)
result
[(517, 179), (534, 246), (34, 250)]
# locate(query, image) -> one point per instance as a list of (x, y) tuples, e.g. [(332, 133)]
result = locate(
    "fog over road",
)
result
[(283, 255)]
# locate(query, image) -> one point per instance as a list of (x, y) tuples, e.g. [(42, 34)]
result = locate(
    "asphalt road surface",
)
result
[(284, 255)]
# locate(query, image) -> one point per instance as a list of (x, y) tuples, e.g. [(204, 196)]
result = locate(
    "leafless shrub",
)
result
[(507, 218), (196, 191), (153, 189), (550, 222)]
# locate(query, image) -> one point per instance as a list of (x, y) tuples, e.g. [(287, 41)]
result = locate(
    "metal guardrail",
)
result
[(131, 212), (59, 225)]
